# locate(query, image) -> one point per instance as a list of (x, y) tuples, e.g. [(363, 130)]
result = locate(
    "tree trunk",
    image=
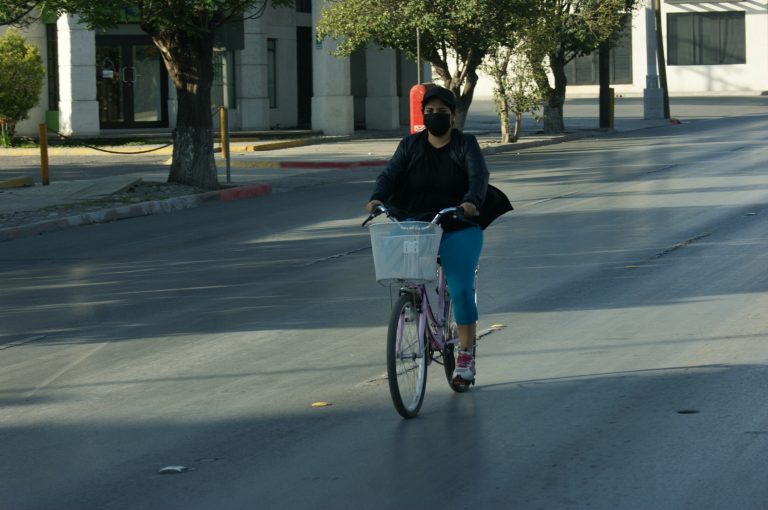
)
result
[(463, 97), (7, 130), (189, 61), (518, 125), (553, 106), (504, 120)]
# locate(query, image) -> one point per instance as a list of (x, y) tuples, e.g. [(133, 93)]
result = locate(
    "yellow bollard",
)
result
[(44, 154), (225, 139), (223, 126)]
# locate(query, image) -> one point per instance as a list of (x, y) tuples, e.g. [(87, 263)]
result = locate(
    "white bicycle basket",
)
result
[(405, 252)]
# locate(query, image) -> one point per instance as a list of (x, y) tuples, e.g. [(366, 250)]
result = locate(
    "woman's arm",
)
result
[(390, 177), (477, 171)]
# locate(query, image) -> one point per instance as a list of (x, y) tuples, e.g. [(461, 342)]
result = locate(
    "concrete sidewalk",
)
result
[(258, 168)]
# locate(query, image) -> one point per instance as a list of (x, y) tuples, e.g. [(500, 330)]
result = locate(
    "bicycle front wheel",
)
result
[(406, 357)]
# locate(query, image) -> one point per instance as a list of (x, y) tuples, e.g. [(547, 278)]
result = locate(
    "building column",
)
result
[(78, 105), (653, 95), (332, 103), (381, 103), (253, 94)]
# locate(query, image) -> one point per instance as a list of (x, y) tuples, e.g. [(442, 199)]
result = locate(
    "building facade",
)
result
[(710, 47), (269, 72)]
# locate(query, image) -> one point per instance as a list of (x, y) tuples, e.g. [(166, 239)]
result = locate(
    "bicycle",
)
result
[(418, 334)]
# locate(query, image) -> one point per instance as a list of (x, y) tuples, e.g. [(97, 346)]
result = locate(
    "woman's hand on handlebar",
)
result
[(470, 209), (371, 206)]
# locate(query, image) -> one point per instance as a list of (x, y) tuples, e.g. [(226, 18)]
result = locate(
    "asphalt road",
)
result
[(631, 281)]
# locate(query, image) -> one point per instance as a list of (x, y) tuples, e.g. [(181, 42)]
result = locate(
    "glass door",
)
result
[(131, 83)]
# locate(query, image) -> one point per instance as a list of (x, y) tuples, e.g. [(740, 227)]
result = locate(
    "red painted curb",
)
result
[(332, 164), (256, 190)]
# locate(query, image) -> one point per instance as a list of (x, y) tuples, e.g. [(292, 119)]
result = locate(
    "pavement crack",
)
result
[(337, 256), (21, 342), (660, 169), (681, 245)]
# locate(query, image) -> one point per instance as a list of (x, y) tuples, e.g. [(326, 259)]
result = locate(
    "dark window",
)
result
[(303, 5), (272, 72), (585, 70), (706, 38), (52, 57)]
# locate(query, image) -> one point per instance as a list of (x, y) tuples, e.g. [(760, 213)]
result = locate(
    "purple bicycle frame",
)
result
[(437, 340)]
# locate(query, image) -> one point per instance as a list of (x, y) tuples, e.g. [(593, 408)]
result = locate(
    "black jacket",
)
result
[(465, 151)]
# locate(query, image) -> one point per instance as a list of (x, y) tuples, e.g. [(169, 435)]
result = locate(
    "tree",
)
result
[(21, 80), (183, 31), (17, 12), (456, 33), (562, 31), (515, 91)]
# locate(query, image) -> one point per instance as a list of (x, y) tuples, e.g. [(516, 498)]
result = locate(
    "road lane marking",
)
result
[(65, 369)]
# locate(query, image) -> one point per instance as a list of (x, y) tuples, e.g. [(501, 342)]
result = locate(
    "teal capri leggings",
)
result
[(459, 255)]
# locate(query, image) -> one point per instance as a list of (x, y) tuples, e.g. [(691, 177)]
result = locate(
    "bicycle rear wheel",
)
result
[(406, 357)]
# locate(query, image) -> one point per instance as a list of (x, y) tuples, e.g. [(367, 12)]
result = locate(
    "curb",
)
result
[(232, 194), (507, 147), (287, 144), (510, 147), (137, 210), (309, 165), (19, 182)]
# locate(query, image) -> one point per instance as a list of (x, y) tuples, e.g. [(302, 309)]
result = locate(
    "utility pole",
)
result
[(418, 56), (606, 92), (662, 60)]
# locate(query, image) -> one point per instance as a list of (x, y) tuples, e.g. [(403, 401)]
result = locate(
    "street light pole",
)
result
[(418, 56), (661, 59)]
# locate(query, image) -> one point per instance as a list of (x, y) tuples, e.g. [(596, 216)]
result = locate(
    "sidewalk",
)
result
[(259, 168)]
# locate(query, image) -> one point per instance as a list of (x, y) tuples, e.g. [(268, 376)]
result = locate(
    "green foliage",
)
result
[(17, 12), (562, 30), (21, 80), (515, 91), (455, 35)]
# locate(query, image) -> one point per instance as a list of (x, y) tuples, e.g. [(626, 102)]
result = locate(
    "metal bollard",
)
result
[(224, 125)]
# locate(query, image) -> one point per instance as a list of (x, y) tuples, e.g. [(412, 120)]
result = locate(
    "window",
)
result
[(272, 72), (706, 38), (303, 5), (585, 70)]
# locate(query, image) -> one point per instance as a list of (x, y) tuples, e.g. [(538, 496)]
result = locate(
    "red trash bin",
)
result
[(417, 116)]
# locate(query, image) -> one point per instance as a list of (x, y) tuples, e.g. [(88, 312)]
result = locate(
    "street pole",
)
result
[(418, 56), (661, 59), (604, 60), (224, 126), (43, 131)]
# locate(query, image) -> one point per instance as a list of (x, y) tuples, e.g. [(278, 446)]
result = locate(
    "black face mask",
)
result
[(437, 123)]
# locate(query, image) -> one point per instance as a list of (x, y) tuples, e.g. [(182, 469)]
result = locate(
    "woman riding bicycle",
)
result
[(435, 169)]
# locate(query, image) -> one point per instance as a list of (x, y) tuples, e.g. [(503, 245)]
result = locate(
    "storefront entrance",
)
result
[(132, 83)]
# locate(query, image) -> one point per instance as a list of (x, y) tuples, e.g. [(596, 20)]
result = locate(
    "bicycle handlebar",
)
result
[(456, 212)]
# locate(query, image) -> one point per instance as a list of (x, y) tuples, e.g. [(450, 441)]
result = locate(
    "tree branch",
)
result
[(19, 15)]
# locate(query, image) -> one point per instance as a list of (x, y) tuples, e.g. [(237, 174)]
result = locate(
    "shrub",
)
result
[(21, 80)]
